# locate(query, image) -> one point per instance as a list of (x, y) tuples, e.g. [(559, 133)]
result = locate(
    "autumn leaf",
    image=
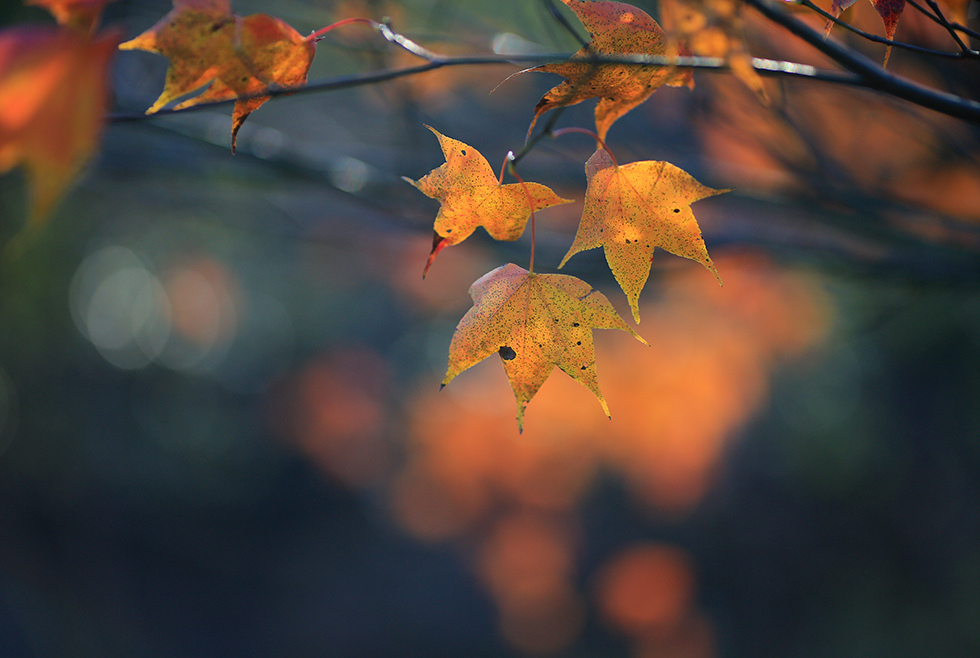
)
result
[(616, 28), (238, 56), (471, 195), (632, 209), (53, 97), (82, 15), (889, 10), (713, 28), (534, 322)]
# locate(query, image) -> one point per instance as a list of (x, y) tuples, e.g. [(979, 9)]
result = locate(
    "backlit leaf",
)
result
[(471, 195), (632, 209), (534, 322)]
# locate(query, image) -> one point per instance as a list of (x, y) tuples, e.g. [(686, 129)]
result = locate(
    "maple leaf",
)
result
[(634, 208), (471, 195), (81, 15), (713, 28), (616, 28), (534, 322), (239, 56), (889, 10), (53, 97)]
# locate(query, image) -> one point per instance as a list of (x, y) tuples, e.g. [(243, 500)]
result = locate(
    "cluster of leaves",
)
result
[(53, 97), (538, 321)]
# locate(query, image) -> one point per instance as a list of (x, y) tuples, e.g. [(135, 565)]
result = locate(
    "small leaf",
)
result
[(471, 195), (534, 322), (632, 209)]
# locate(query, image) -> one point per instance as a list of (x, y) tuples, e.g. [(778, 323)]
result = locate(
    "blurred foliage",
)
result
[(221, 434)]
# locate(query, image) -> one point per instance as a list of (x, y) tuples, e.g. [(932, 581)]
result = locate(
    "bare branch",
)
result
[(872, 75)]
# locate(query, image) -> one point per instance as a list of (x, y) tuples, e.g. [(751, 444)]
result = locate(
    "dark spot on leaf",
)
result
[(578, 343), (575, 324), (507, 353)]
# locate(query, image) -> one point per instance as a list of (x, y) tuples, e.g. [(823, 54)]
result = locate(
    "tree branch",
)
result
[(871, 74), (963, 53)]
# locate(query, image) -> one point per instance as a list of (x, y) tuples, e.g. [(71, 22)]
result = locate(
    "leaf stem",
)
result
[(586, 131), (319, 34), (509, 165)]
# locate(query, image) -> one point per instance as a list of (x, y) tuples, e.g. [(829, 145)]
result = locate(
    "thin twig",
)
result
[(960, 54), (712, 64), (949, 28), (956, 26), (872, 75)]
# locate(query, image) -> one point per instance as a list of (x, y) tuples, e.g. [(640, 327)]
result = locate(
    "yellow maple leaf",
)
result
[(239, 56), (534, 322), (632, 209), (471, 195)]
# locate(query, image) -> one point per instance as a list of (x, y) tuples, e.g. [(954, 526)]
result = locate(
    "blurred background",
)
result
[(221, 430)]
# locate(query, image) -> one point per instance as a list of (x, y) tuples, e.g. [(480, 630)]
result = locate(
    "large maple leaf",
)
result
[(534, 322), (471, 195), (53, 97), (240, 56), (615, 28), (632, 209)]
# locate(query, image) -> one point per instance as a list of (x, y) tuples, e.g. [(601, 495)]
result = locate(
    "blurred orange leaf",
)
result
[(238, 56), (535, 322), (78, 14), (632, 209), (52, 101), (616, 28), (713, 28), (471, 196)]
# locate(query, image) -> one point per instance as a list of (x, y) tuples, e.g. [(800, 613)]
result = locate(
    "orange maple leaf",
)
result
[(239, 56), (889, 10), (534, 322), (471, 195), (634, 208), (616, 28), (81, 15), (53, 97)]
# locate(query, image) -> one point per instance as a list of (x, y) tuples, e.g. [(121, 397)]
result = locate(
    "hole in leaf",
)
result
[(677, 209), (462, 152), (507, 353)]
